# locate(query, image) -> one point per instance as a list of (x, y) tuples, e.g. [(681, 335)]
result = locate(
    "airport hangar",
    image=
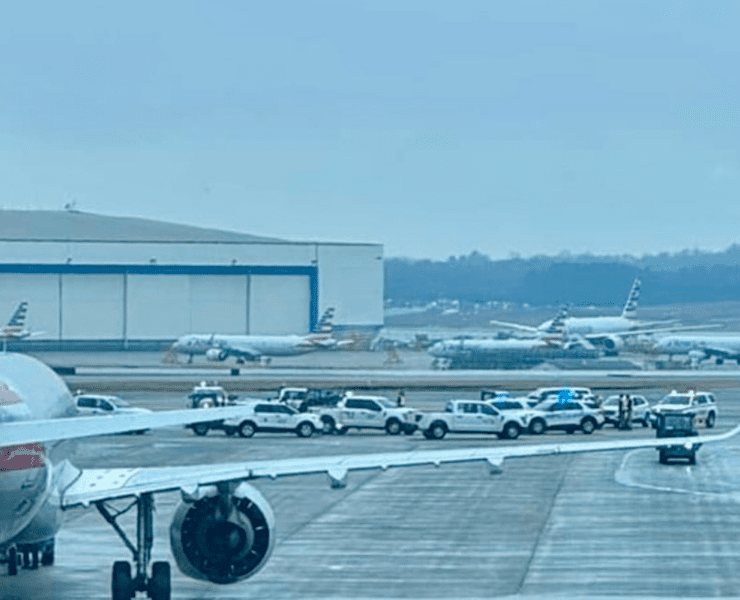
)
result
[(97, 282)]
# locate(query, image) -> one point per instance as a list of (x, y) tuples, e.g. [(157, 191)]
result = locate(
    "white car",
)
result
[(700, 404), (273, 417), (95, 404), (515, 407), (569, 416), (640, 410)]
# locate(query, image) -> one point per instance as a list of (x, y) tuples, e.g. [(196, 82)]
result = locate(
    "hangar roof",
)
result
[(72, 225)]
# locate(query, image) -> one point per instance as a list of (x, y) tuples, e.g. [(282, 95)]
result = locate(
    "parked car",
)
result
[(569, 416), (700, 404), (274, 417), (470, 416), (641, 412), (367, 412), (96, 404)]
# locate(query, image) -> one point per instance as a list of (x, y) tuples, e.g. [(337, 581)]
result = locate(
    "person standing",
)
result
[(401, 399)]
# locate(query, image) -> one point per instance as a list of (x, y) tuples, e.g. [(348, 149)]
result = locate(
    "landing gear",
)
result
[(123, 585)]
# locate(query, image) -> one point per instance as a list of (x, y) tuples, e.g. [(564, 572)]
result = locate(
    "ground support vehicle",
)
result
[(274, 417), (700, 404), (470, 416), (641, 412), (96, 404), (367, 412), (676, 425), (206, 396), (568, 416)]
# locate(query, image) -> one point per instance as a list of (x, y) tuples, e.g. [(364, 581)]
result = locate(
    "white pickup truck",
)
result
[(470, 416), (367, 412)]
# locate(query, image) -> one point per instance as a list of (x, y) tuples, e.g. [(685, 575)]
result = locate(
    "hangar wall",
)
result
[(121, 293)]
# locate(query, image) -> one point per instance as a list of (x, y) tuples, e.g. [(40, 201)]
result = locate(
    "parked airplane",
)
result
[(258, 347), (16, 329), (223, 530), (701, 347), (462, 353), (607, 331)]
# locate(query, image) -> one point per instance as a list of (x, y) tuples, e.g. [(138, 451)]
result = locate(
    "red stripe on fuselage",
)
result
[(19, 458)]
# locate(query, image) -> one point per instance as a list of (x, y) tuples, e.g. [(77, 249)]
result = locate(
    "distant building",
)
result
[(95, 281)]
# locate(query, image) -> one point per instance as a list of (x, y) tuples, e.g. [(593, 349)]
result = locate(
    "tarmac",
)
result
[(603, 525)]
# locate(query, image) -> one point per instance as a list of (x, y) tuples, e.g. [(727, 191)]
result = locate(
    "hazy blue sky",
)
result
[(435, 128)]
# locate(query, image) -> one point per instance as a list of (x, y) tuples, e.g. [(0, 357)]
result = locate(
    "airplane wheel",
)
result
[(12, 562), (47, 555), (121, 588), (159, 584)]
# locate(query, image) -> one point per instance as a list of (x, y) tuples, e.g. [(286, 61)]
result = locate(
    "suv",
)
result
[(579, 394), (640, 410), (568, 415), (676, 425), (700, 404), (95, 404), (273, 417), (515, 407)]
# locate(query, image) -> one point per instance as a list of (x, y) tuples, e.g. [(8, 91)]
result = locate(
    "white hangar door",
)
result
[(41, 291), (157, 306), (279, 304), (164, 307), (92, 307), (218, 304)]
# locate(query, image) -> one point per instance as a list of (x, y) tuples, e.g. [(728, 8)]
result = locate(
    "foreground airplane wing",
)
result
[(33, 432), (94, 485)]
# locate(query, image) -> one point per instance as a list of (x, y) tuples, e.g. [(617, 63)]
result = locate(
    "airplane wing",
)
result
[(518, 326), (648, 331), (241, 350), (51, 430), (92, 485)]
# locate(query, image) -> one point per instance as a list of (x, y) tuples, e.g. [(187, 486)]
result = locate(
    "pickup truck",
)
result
[(470, 416), (306, 399), (367, 412)]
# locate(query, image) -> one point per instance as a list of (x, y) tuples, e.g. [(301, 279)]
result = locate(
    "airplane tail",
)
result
[(19, 316), (556, 331), (630, 307), (325, 323)]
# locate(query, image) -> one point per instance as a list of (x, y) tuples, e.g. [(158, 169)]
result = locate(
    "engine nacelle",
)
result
[(223, 538), (613, 343), (216, 354)]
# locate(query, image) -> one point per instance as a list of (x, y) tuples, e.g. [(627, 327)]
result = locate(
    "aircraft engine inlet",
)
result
[(222, 536), (215, 354), (613, 342)]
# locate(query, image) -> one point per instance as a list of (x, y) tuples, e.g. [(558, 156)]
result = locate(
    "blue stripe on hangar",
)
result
[(311, 272)]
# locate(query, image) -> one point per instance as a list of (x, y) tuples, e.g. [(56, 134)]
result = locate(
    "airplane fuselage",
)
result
[(594, 325), (238, 345)]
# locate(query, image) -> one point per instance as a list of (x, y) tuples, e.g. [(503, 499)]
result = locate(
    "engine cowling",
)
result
[(222, 538), (216, 354), (613, 342)]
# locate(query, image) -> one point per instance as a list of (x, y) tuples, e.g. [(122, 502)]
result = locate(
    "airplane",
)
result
[(700, 347), (217, 347), (222, 532), (465, 353), (609, 332), (15, 329)]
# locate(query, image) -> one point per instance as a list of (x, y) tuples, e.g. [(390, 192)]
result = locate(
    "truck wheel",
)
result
[(438, 430), (342, 430), (588, 425), (711, 417), (329, 424), (247, 429), (230, 431), (511, 431), (305, 430), (200, 429), (537, 427), (393, 427)]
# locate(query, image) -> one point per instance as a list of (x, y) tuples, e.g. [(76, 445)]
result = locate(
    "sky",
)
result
[(433, 127)]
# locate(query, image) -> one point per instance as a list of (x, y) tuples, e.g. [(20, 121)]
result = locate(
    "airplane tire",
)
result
[(159, 587), (121, 583), (12, 562)]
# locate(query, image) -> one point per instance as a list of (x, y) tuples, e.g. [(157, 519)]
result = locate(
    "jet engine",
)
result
[(222, 536), (216, 354), (613, 343)]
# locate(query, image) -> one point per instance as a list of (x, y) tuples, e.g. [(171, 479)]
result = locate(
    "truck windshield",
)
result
[(677, 400)]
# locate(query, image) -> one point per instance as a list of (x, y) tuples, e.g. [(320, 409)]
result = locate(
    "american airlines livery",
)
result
[(217, 347), (223, 530)]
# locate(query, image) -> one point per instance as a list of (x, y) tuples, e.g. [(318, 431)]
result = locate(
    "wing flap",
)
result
[(105, 484)]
